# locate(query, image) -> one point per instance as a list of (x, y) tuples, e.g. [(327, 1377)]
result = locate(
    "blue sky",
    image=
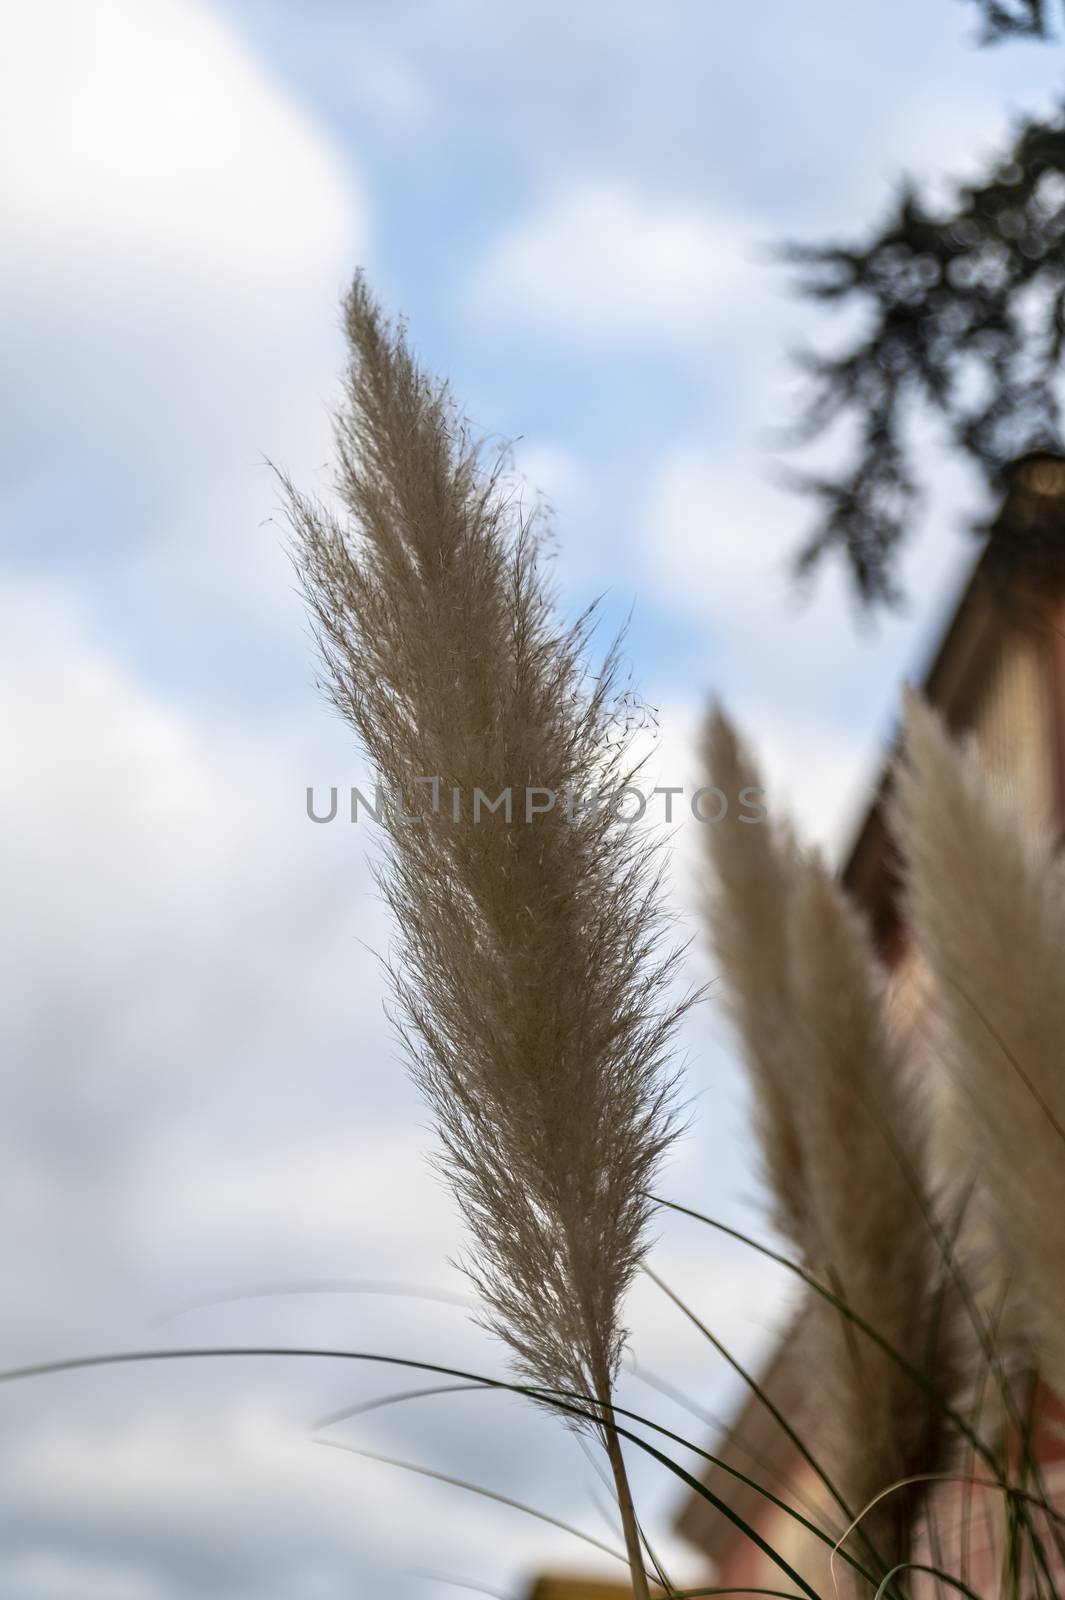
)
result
[(571, 204)]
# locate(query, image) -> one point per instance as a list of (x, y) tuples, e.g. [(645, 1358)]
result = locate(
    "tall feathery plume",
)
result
[(529, 974), (844, 1156), (987, 901), (871, 1228), (753, 874)]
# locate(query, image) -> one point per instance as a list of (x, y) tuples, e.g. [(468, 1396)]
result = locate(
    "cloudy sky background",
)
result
[(200, 1092)]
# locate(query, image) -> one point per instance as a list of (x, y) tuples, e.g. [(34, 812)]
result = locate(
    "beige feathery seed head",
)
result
[(753, 868), (869, 1234), (841, 1142), (987, 903), (530, 980)]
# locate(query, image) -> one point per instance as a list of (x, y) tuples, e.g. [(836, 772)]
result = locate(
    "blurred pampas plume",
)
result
[(753, 868), (531, 983), (987, 902), (842, 1149)]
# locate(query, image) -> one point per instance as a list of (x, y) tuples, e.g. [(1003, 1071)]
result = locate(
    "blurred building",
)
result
[(997, 675)]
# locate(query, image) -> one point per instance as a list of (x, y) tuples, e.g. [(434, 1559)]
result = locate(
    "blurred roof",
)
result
[(1022, 563)]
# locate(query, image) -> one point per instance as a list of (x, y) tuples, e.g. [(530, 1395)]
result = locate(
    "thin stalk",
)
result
[(923, 1566), (627, 1510)]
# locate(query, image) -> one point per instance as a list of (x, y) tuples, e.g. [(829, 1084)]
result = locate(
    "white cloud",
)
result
[(548, 468), (601, 261), (953, 137), (150, 140), (44, 1575), (156, 1506), (719, 540), (816, 692), (187, 943), (176, 234), (715, 539)]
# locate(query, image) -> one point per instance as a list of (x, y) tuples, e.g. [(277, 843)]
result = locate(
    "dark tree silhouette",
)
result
[(965, 318), (1014, 19)]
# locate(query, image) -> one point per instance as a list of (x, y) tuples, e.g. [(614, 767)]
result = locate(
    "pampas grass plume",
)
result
[(840, 1134), (987, 901), (530, 981)]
